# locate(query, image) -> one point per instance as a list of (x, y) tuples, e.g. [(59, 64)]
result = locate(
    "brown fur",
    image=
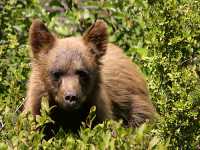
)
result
[(97, 72)]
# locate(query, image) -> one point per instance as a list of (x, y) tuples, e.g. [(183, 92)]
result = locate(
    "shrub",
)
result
[(160, 36), (172, 41)]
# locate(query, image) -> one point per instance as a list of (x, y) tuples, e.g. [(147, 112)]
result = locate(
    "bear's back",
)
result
[(125, 86), (120, 73)]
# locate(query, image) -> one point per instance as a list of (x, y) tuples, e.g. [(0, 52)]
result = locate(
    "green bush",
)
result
[(174, 49), (162, 37)]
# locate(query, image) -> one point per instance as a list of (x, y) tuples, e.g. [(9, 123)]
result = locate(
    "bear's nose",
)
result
[(71, 97)]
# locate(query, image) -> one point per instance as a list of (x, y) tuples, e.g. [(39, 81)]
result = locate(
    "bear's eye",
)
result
[(83, 74), (56, 75)]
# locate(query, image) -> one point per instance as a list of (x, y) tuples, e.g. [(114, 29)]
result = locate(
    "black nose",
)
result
[(71, 97)]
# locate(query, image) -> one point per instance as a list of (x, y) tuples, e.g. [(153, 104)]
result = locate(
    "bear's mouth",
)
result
[(71, 105)]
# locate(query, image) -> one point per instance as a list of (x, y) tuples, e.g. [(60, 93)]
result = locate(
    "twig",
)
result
[(20, 106), (1, 125)]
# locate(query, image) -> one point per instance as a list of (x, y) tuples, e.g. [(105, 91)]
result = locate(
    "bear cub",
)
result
[(76, 73)]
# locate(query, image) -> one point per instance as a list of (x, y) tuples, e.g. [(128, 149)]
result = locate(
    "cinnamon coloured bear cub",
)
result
[(79, 72)]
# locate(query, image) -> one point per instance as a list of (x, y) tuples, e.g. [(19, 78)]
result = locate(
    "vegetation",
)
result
[(162, 37)]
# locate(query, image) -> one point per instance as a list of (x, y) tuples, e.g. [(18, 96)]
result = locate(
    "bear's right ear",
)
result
[(40, 38)]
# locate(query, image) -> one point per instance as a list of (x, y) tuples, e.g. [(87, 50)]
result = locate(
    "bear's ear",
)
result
[(96, 37), (40, 38)]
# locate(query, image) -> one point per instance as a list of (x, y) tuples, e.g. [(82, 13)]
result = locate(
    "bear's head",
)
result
[(69, 67)]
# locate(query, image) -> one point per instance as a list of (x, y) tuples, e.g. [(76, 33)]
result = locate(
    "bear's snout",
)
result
[(71, 99)]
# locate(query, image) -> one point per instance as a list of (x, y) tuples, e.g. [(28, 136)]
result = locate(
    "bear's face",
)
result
[(71, 65), (72, 72)]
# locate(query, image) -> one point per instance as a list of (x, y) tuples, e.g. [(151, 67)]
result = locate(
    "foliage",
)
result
[(162, 37), (172, 41), (109, 135)]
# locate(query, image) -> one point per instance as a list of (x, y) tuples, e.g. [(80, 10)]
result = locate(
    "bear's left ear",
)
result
[(96, 37)]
